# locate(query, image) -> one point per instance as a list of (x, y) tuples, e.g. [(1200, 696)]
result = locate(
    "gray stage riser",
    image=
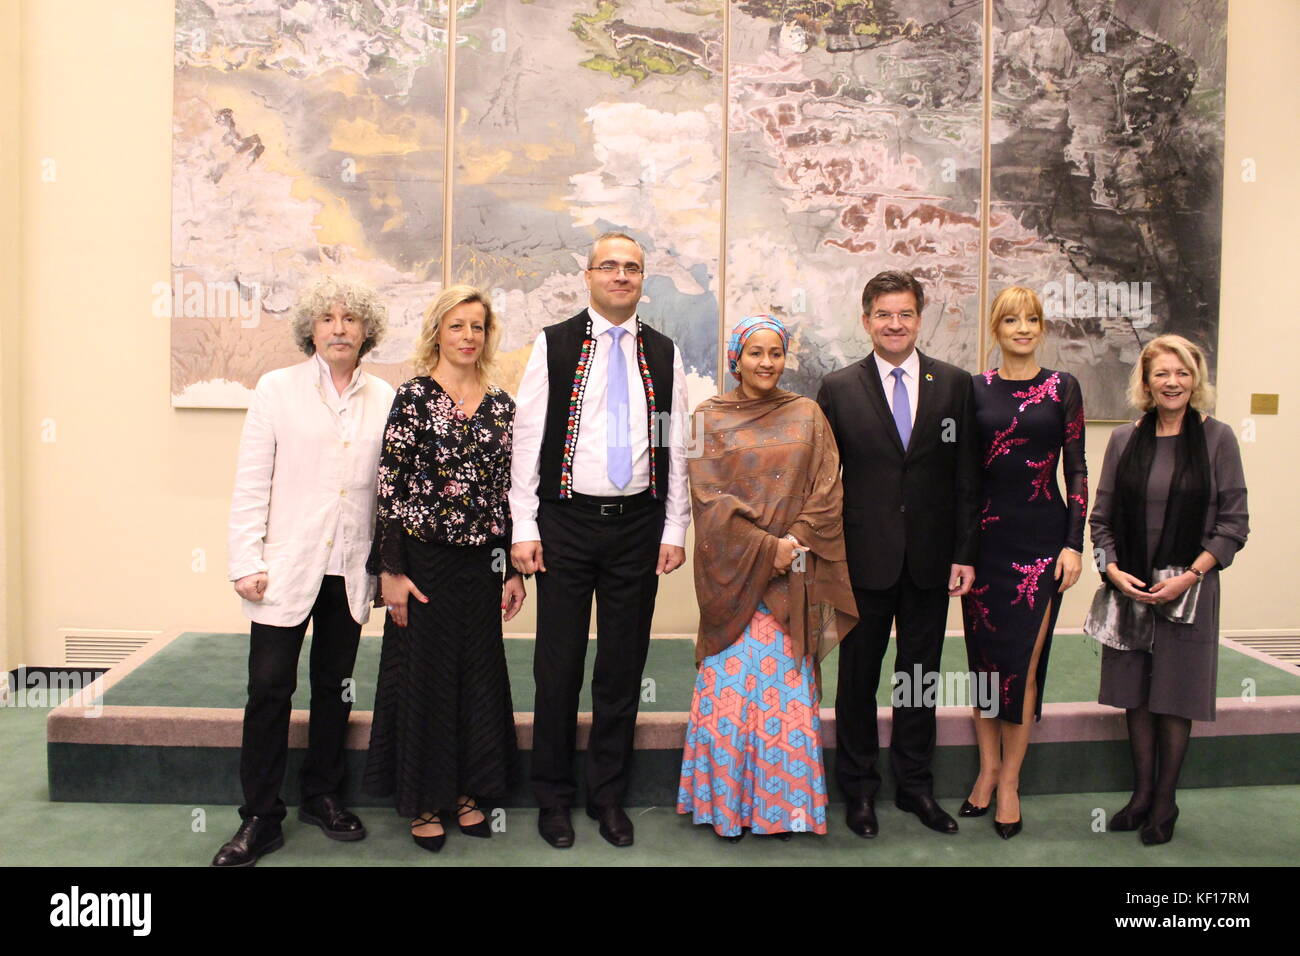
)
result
[(205, 776)]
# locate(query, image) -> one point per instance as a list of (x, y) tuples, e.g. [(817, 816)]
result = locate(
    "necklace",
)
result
[(460, 402)]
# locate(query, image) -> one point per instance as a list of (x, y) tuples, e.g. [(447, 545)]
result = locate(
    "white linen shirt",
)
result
[(305, 487), (590, 475)]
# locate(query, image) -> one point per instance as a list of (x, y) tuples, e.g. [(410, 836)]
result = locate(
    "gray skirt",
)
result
[(1179, 674)]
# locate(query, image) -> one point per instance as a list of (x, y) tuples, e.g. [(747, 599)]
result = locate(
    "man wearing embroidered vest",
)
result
[(301, 521), (599, 503)]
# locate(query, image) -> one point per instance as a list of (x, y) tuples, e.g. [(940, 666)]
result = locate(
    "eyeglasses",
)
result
[(906, 315), (631, 270)]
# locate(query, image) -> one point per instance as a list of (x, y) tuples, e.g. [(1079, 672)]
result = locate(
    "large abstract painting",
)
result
[(308, 138), (771, 156), (1107, 172)]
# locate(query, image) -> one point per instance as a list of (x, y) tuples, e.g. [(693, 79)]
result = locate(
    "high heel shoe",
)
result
[(1153, 834), (480, 829), (431, 843), (1129, 818), (1008, 830), (969, 809)]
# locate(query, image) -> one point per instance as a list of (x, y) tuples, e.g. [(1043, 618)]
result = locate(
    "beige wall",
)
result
[(11, 288), (114, 507)]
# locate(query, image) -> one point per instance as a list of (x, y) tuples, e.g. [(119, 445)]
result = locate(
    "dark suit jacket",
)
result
[(918, 510)]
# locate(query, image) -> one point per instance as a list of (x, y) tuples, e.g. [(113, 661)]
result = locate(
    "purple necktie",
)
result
[(902, 408), (618, 456)]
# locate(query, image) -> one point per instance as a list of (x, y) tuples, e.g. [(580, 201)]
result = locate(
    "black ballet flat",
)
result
[(1008, 830), (431, 843), (481, 829), (969, 809), (1154, 834), (1129, 819)]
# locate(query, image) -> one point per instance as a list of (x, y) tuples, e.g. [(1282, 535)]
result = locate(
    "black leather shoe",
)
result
[(615, 826), (256, 837), (1129, 818), (730, 839), (861, 818), (969, 809), (927, 811), (335, 820), (1154, 834), (1008, 830), (556, 828)]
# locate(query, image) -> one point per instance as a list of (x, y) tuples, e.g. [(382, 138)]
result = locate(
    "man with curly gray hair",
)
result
[(301, 522)]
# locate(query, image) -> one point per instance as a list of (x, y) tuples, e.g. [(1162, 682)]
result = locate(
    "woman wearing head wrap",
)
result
[(774, 596)]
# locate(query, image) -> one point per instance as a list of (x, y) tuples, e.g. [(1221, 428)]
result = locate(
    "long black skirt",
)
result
[(443, 721)]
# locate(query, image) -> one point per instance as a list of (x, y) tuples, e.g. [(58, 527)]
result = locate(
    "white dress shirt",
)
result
[(345, 409), (911, 373), (590, 452), (305, 485)]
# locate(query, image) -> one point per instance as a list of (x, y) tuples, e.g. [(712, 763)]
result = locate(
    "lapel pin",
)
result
[(929, 377)]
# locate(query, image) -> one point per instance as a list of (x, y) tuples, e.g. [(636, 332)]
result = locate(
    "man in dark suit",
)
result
[(905, 426)]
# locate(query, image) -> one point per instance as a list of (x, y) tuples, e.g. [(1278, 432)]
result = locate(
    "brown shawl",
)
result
[(762, 469)]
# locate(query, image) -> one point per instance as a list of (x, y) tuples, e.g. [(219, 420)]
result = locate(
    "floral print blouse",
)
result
[(443, 476)]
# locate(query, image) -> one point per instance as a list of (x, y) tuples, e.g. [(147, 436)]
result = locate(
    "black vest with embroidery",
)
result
[(569, 351)]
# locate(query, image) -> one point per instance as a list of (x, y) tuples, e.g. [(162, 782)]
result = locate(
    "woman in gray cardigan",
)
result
[(1172, 496)]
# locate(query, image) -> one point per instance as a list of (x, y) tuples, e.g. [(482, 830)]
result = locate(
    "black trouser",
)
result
[(272, 679), (615, 556), (921, 614)]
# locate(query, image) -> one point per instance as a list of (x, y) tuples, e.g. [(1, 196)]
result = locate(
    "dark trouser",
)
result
[(272, 678), (920, 613), (615, 556)]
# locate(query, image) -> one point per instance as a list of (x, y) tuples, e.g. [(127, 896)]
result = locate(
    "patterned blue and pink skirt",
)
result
[(753, 755)]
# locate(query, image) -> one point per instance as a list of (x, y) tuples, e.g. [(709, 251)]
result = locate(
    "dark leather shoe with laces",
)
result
[(335, 820), (556, 828), (861, 818), (927, 811), (256, 837), (615, 826)]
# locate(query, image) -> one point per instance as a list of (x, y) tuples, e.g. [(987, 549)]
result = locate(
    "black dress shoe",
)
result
[(861, 818), (335, 820), (556, 828), (1156, 833), (256, 837), (927, 811), (1129, 818), (1008, 830), (481, 829), (969, 809), (431, 843), (615, 826)]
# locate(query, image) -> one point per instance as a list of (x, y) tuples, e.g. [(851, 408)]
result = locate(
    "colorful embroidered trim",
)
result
[(575, 411), (652, 419)]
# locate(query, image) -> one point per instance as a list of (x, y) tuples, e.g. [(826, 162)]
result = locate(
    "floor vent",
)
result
[(89, 647), (1283, 649)]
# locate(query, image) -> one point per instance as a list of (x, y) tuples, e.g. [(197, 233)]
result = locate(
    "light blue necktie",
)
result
[(618, 457), (902, 408)]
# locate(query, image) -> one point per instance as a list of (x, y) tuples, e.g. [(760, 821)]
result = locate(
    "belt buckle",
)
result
[(615, 508)]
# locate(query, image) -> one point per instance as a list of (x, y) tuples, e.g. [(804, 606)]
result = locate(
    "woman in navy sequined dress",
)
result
[(1031, 539)]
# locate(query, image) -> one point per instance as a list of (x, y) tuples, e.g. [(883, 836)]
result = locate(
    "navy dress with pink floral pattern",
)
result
[(1027, 428)]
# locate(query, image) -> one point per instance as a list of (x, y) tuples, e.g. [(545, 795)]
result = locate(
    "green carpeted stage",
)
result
[(164, 726)]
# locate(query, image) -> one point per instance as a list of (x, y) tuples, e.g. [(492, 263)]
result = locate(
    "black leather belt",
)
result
[(609, 507)]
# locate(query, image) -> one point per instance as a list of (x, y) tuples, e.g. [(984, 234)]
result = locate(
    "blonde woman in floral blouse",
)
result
[(443, 734)]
